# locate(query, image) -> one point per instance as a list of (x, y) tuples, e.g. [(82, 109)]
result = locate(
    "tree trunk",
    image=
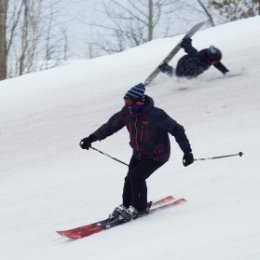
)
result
[(3, 54), (150, 21)]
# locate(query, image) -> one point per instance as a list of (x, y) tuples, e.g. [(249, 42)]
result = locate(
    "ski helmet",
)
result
[(214, 54)]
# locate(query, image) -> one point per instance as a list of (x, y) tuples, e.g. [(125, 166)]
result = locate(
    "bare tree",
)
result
[(36, 40), (3, 55), (235, 9), (134, 22)]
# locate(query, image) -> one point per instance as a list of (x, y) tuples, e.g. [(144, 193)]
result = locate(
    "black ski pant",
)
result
[(135, 189)]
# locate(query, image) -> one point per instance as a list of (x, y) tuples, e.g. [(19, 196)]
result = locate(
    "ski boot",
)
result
[(130, 213), (124, 214), (116, 214), (146, 210)]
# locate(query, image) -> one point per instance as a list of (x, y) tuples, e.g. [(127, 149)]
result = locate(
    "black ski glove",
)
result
[(225, 72), (187, 159), (85, 143), (186, 42), (166, 68)]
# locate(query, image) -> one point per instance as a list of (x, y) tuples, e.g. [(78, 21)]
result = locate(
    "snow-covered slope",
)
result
[(48, 183)]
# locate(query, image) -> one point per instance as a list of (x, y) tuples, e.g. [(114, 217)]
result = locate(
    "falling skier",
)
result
[(195, 62), (148, 127)]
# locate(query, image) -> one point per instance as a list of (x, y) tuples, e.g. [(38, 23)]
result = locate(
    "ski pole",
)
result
[(109, 156), (219, 157)]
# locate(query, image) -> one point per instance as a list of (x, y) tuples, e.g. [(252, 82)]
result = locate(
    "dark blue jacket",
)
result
[(195, 63), (149, 131)]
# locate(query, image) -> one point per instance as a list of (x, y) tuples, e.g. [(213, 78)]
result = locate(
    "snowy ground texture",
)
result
[(48, 183)]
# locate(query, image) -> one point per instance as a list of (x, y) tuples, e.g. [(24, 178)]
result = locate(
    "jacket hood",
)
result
[(148, 105)]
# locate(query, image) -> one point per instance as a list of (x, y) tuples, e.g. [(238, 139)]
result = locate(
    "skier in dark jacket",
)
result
[(195, 62), (149, 129)]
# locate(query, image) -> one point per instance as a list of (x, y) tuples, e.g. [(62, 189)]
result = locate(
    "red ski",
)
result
[(103, 225)]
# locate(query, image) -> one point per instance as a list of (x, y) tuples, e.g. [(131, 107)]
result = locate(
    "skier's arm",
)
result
[(187, 46), (114, 124), (171, 126), (178, 132), (221, 67)]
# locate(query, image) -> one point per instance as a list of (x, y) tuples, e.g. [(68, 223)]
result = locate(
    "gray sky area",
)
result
[(77, 15)]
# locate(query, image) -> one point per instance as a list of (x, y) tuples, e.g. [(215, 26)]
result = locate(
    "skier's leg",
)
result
[(137, 176), (127, 197)]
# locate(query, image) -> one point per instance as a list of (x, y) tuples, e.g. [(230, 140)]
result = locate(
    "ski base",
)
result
[(173, 52)]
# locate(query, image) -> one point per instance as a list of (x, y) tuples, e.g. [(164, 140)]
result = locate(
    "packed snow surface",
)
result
[(48, 183)]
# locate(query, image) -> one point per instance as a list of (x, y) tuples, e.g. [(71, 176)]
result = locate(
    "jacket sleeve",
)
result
[(171, 126), (114, 124), (180, 136), (221, 67), (189, 49)]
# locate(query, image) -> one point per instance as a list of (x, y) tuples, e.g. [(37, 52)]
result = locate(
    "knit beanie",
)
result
[(136, 92)]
